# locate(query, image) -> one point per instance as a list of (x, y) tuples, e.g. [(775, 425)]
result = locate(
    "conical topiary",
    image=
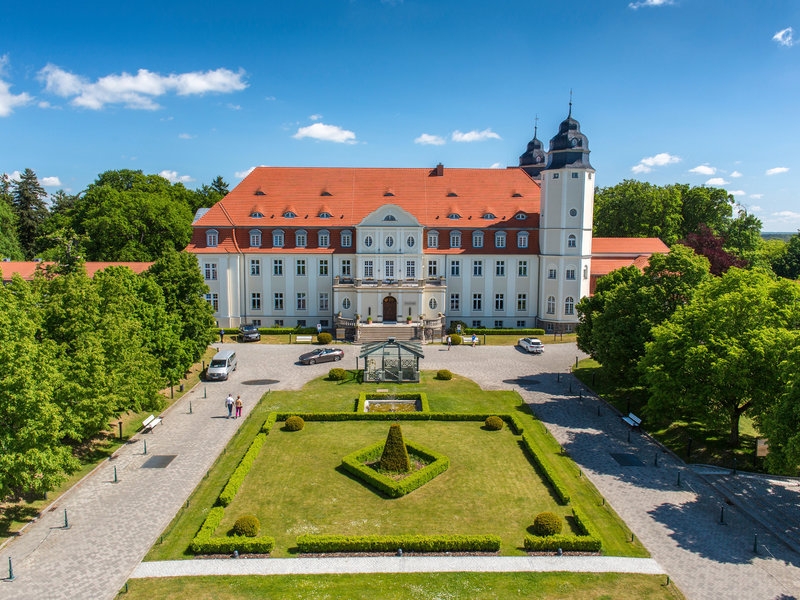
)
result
[(395, 454)]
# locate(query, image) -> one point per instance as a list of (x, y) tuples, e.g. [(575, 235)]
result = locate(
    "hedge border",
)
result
[(204, 543), (519, 332), (421, 396), (353, 463), (314, 544), (574, 543), (534, 452), (515, 425)]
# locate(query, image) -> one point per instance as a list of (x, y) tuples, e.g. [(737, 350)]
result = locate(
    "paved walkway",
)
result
[(396, 564)]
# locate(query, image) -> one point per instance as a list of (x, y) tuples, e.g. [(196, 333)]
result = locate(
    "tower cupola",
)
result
[(534, 158), (569, 147)]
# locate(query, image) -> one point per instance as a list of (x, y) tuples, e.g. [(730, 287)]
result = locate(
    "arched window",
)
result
[(455, 239), (572, 241), (389, 218), (477, 239), (277, 238), (300, 238), (551, 305), (521, 216), (489, 216), (289, 215), (325, 215), (212, 238), (256, 215), (324, 238), (569, 306), (500, 239), (522, 239), (255, 238), (433, 239), (454, 216)]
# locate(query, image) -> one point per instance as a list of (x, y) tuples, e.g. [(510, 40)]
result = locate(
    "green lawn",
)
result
[(409, 586), (491, 487), (708, 446)]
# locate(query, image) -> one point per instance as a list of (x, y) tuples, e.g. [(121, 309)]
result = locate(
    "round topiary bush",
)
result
[(324, 338), (456, 339), (294, 423), (337, 374), (444, 375), (494, 423), (247, 525), (547, 523)]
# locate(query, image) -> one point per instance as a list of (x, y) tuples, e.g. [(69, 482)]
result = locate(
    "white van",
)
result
[(222, 365)]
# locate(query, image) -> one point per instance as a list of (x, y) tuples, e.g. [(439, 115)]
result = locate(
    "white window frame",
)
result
[(324, 301), (522, 302), (569, 275), (499, 302), (347, 269), (388, 269), (347, 239), (569, 305), (522, 268), (433, 239), (210, 270), (477, 268), (255, 267), (477, 239), (278, 238), (300, 267), (500, 268), (477, 302), (551, 305), (212, 238), (552, 273), (500, 239), (572, 241), (255, 301), (255, 238), (277, 301), (433, 268), (455, 302), (301, 238), (522, 239), (301, 301), (411, 269), (324, 238), (455, 239), (323, 267), (369, 272)]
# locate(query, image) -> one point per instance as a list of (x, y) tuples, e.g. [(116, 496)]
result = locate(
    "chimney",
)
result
[(439, 170)]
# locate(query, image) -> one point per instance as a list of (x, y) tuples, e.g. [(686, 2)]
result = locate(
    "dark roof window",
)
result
[(289, 215), (325, 215), (454, 216), (256, 215)]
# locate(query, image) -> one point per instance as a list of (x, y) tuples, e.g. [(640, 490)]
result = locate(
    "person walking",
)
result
[(229, 405), (449, 341), (221, 335), (238, 406)]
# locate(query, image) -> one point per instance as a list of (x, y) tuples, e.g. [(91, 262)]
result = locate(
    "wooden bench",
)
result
[(150, 422), (304, 338), (632, 420)]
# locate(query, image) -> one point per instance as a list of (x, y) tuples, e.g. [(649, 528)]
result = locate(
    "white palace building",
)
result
[(510, 248)]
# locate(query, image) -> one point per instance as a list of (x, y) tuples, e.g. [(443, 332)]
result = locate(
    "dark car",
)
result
[(249, 333), (321, 355)]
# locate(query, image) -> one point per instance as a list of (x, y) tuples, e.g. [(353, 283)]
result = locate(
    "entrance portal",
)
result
[(389, 309)]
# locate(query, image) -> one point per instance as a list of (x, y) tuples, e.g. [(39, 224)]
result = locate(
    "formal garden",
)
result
[(306, 471)]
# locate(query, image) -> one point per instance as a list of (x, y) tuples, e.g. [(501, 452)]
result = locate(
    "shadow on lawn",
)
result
[(342, 471)]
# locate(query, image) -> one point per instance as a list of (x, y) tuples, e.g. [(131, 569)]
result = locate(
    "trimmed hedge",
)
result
[(309, 544), (519, 332), (493, 423), (584, 525), (544, 467), (272, 330), (364, 396), (512, 420), (203, 543), (444, 375), (271, 419), (337, 374), (294, 423), (548, 543), (324, 338), (230, 489), (353, 463)]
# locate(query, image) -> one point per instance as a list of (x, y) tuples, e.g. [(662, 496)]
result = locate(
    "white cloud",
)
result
[(186, 136), (50, 181), (246, 172), (757, 196), (786, 214), (234, 106), (475, 135), (327, 133), (9, 101), (315, 117), (426, 139), (777, 170), (173, 177), (496, 166), (717, 181), (736, 174), (785, 37), (270, 98), (137, 91), (705, 169), (659, 160), (755, 209), (641, 3), (737, 193), (15, 176)]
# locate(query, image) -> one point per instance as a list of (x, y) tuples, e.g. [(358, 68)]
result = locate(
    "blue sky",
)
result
[(689, 91)]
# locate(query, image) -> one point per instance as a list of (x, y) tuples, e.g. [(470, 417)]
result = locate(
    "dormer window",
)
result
[(477, 239), (455, 239), (326, 193), (255, 238), (324, 238), (300, 238), (212, 238), (347, 239), (289, 215), (500, 239), (259, 193), (277, 238), (256, 215), (521, 216), (433, 239), (452, 195), (388, 193), (389, 218), (516, 195), (325, 215), (489, 216), (454, 216), (522, 239)]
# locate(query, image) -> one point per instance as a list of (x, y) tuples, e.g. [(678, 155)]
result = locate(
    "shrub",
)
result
[(535, 453), (395, 454), (547, 523), (494, 423), (230, 489), (324, 338), (337, 374), (456, 339), (294, 423), (580, 543), (444, 375), (203, 543), (247, 525), (453, 328), (390, 543)]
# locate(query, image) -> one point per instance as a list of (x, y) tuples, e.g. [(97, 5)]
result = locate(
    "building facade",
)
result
[(508, 248)]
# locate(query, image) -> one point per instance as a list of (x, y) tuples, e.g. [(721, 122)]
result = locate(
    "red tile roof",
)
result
[(628, 246), (27, 269), (355, 193)]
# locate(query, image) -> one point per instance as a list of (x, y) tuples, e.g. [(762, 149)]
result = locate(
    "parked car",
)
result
[(321, 355), (222, 365), (532, 345), (249, 333)]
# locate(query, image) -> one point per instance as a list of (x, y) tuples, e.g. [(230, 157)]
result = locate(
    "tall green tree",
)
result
[(719, 356), (780, 423), (638, 209), (9, 240), (787, 263), (28, 202)]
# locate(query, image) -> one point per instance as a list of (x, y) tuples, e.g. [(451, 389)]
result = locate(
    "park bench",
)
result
[(150, 422), (632, 420), (304, 338)]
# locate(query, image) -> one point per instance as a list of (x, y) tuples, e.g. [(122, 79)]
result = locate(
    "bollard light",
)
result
[(190, 407), (120, 429), (755, 545), (722, 515), (679, 479), (66, 520), (115, 475), (10, 570), (145, 446)]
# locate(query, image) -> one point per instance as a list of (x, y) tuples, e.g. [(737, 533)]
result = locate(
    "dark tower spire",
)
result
[(534, 158), (569, 147)]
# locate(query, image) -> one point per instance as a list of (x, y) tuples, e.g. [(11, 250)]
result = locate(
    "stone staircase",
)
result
[(381, 333)]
